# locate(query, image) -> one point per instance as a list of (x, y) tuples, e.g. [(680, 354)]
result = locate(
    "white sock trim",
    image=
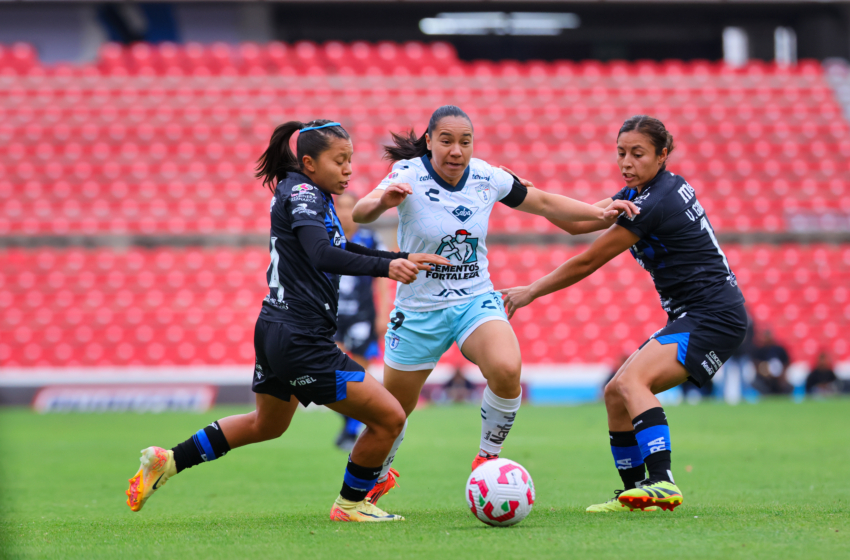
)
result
[(503, 405)]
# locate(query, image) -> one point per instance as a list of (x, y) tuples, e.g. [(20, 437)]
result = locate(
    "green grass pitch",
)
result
[(760, 481)]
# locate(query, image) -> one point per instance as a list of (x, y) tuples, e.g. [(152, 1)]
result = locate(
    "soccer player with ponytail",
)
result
[(673, 240), (444, 198), (296, 358)]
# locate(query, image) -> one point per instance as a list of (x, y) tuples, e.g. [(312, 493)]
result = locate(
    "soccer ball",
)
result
[(500, 492)]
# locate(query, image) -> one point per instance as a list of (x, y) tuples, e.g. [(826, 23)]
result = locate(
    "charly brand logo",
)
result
[(461, 213)]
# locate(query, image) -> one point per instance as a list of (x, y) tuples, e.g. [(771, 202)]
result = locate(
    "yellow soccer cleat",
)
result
[(382, 488), (157, 467), (663, 494), (614, 505), (363, 511)]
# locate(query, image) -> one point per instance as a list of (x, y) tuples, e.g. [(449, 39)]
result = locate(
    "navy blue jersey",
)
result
[(299, 293), (678, 247), (356, 296)]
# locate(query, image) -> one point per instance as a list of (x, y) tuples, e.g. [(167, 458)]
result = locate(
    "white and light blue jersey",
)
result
[(448, 221)]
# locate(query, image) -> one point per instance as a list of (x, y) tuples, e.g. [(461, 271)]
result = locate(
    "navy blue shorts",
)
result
[(295, 361), (706, 339)]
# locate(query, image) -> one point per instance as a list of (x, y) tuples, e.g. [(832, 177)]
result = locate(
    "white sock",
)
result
[(497, 418), (389, 462)]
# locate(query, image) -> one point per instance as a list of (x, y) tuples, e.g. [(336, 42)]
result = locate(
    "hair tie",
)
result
[(318, 127)]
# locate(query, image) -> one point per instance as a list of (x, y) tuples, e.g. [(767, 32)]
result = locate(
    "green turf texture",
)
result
[(759, 481)]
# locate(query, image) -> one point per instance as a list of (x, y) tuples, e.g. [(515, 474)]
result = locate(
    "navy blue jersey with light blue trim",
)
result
[(356, 296), (678, 247), (299, 293)]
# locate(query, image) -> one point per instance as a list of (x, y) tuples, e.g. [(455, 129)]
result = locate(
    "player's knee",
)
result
[(506, 372), (395, 422), (611, 393)]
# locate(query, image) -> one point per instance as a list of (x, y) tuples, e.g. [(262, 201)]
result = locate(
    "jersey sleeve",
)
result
[(509, 191), (401, 172), (650, 217), (306, 206)]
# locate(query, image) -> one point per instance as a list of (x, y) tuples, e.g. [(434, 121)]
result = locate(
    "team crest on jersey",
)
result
[(459, 247), (483, 192), (394, 340), (461, 213)]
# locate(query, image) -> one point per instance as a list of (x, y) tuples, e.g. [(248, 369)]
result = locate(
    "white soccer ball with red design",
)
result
[(500, 492)]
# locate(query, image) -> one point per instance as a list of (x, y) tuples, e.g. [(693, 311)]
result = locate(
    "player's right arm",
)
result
[(576, 228), (370, 207)]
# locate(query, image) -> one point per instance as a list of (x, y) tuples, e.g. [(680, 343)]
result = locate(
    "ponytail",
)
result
[(407, 146), (278, 160)]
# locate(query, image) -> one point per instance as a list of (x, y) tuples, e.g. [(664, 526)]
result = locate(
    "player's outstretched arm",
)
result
[(607, 246), (555, 207), (541, 204), (370, 207)]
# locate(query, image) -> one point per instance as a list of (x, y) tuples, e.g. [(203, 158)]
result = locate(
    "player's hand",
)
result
[(425, 261), (618, 207), (395, 194), (514, 298), (404, 271), (525, 182)]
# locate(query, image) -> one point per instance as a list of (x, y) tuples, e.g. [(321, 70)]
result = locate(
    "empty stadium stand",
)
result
[(169, 306), (162, 139)]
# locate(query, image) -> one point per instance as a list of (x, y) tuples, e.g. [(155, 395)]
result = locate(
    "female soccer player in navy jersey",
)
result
[(296, 358), (673, 240), (444, 198)]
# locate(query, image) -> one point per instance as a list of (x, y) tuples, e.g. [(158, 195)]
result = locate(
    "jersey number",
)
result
[(707, 226), (274, 279)]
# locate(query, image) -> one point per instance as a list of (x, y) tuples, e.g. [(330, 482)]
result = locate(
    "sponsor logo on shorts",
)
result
[(712, 357), (258, 371), (708, 367), (301, 381), (394, 341)]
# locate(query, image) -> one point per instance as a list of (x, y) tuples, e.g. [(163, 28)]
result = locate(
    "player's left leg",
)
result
[(270, 420), (494, 348), (367, 401), (655, 368)]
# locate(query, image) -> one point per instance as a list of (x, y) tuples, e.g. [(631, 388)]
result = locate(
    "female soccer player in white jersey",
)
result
[(671, 238), (296, 358), (444, 199)]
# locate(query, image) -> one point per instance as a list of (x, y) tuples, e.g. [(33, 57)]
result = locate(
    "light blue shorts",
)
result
[(416, 341)]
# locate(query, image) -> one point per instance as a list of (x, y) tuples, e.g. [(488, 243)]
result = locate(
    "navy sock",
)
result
[(208, 444), (653, 437), (627, 458), (358, 481)]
